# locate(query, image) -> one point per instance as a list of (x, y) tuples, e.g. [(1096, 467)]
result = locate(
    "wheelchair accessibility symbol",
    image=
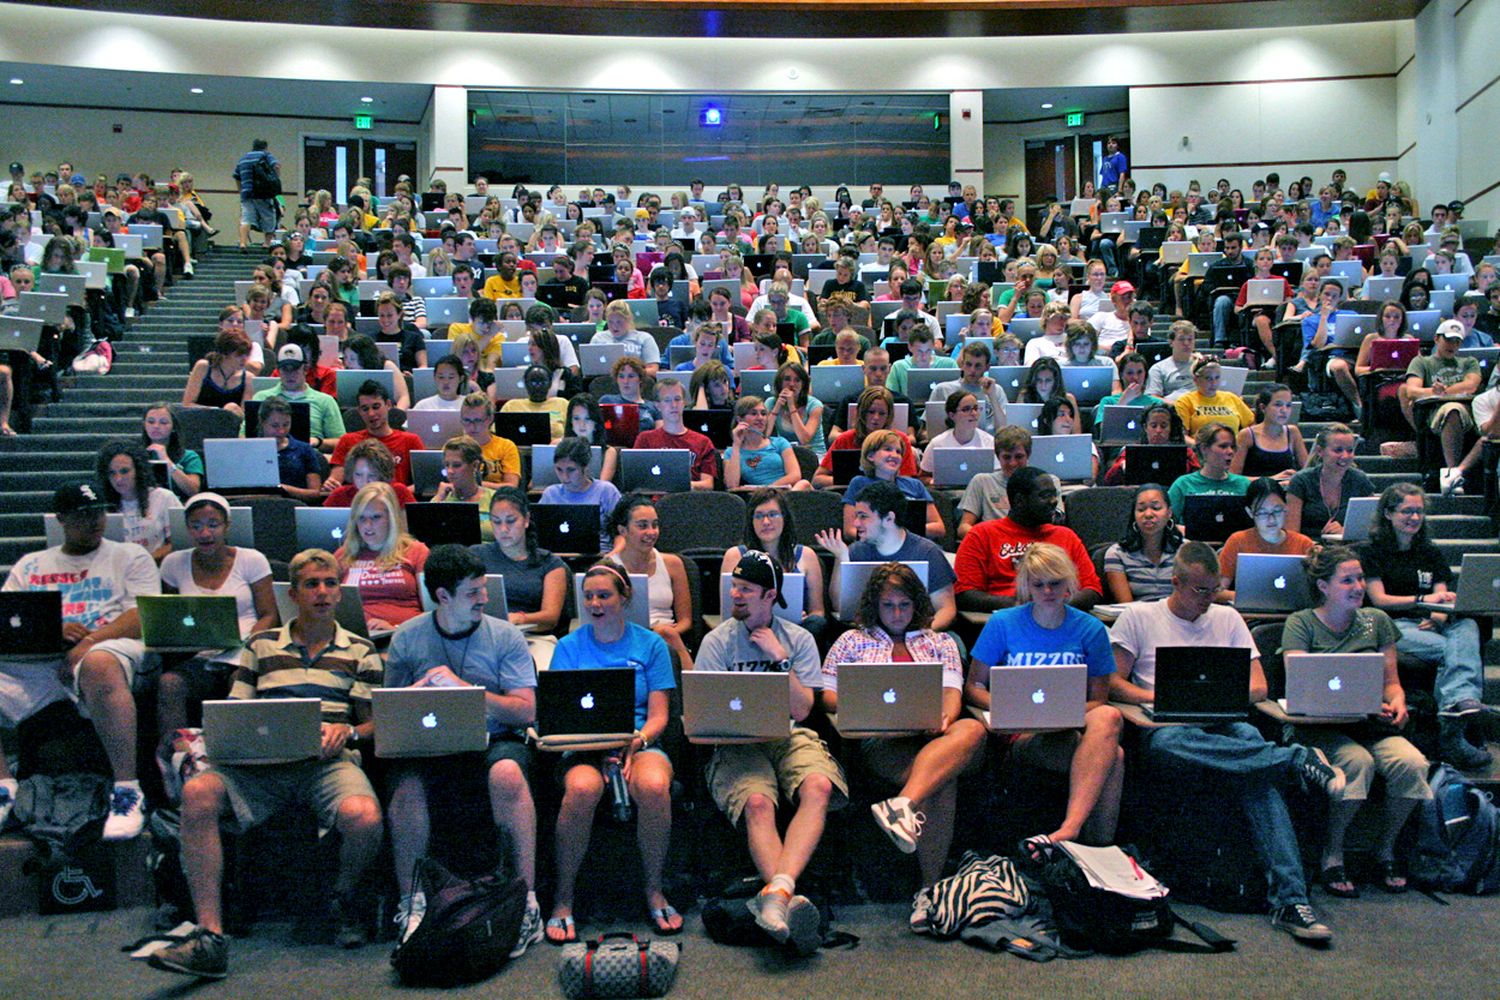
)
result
[(72, 886)]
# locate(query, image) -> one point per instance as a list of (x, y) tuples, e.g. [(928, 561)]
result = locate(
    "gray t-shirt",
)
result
[(494, 656), (985, 497), (728, 647), (1167, 376)]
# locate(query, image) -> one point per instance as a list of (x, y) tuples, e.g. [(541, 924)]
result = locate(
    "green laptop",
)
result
[(177, 623), (114, 259)]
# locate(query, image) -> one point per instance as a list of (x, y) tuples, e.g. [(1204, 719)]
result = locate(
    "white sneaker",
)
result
[(187, 269), (8, 789), (770, 908), (1451, 480), (127, 812), (899, 821), (130, 312)]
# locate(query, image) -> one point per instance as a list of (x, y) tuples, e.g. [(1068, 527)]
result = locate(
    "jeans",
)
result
[(1105, 250), (1239, 751), (1223, 311), (1456, 647)]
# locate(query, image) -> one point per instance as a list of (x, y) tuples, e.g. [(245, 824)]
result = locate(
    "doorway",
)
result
[(333, 164), (1051, 172)]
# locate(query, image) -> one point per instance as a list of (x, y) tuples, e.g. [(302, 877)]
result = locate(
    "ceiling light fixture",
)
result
[(195, 90), (367, 100), (1047, 106)]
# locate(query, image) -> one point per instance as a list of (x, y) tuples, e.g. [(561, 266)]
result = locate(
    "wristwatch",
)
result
[(785, 666)]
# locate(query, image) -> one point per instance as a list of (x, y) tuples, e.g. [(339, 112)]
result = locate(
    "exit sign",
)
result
[(1075, 119), (368, 121)]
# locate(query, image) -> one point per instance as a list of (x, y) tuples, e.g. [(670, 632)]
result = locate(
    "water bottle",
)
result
[(619, 792)]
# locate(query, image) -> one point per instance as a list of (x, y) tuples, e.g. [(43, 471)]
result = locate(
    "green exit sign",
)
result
[(1075, 119), (368, 121)]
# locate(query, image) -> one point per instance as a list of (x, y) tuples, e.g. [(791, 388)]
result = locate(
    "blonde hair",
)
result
[(310, 557), (619, 307), (397, 541), (874, 441), (1044, 561)]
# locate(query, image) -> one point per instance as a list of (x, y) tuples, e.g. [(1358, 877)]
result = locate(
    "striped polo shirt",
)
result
[(275, 665)]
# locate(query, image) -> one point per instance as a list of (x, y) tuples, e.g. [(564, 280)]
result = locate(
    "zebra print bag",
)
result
[(983, 889)]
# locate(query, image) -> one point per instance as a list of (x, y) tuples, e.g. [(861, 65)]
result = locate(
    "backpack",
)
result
[(1205, 862), (1325, 406), (468, 929), (265, 178), (1458, 837), (1104, 920), (727, 920)]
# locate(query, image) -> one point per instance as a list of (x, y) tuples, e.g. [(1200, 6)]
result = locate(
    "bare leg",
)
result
[(1343, 377), (583, 786), (760, 829), (1453, 439), (101, 682), (513, 811), (410, 827), (360, 829), (1263, 327), (651, 788), (171, 703), (203, 799), (806, 827), (1396, 812), (1090, 758), (5, 397)]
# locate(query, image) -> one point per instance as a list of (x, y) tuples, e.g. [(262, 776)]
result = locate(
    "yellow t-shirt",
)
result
[(496, 287), (503, 458), (556, 409), (1225, 408)]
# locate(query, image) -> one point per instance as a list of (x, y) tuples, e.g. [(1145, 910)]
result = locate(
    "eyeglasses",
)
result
[(767, 515), (1206, 591), (1270, 513)]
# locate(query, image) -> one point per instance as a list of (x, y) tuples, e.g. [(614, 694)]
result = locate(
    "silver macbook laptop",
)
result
[(1026, 699), (920, 382), (495, 605), (1089, 383), (1122, 424), (1233, 379), (793, 588), (1350, 329), (640, 601), (350, 613), (1334, 684), (1069, 457), (434, 427), (179, 623), (1478, 587), (262, 730), (241, 463), (719, 704), (1026, 415), (320, 527), (1010, 378), (1265, 291), (901, 420), (893, 698), (656, 470), (1379, 289), (542, 472), (1174, 252), (510, 383), (758, 382), (428, 721), (1271, 583), (348, 383), (1359, 517), (953, 467), (837, 381), (598, 359)]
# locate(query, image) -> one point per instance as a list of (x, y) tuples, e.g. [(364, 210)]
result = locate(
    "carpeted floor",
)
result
[(1385, 947)]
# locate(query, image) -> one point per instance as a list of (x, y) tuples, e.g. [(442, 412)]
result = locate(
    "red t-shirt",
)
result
[(344, 495), (705, 456), (325, 380), (389, 593), (986, 556), (400, 443), (844, 440)]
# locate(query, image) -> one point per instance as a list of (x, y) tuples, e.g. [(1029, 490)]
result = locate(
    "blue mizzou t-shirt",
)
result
[(639, 649), (1012, 638)]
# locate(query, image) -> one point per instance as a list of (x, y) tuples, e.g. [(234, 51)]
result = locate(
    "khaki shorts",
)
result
[(258, 792), (1392, 757), (1464, 416), (773, 769)]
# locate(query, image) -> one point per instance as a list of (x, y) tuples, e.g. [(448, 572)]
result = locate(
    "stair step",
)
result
[(73, 461), (1457, 526), (13, 548)]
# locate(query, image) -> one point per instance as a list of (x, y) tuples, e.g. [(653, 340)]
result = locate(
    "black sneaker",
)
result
[(203, 954), (349, 926), (1316, 771), (1463, 707), (1299, 920)]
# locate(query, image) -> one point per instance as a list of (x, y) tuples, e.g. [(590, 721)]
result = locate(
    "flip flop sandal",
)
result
[(1333, 876), (564, 924), (1035, 847), (661, 917), (1392, 879)]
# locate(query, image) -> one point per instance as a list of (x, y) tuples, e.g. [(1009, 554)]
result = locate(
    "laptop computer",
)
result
[(1069, 457), (1198, 263), (444, 523), (1028, 699), (348, 381), (428, 721), (241, 463), (1010, 378), (845, 465), (50, 308), (1348, 685), (599, 359), (1423, 323), (793, 589), (855, 576), (349, 614), (716, 425), (1122, 424), (434, 427), (639, 610), (622, 423), (241, 527), (758, 382), (1349, 329), (526, 430), (31, 623), (954, 467), (542, 472), (1458, 284), (1089, 383), (592, 702), (1174, 251), (1379, 289), (262, 730), (1274, 583), (1265, 292), (19, 333), (1394, 355), (1478, 587), (1212, 517), (656, 470), (566, 527), (1359, 517), (427, 471), (1200, 684), (731, 705), (890, 698), (178, 623), (510, 383), (838, 381), (1024, 328), (71, 286), (320, 527)]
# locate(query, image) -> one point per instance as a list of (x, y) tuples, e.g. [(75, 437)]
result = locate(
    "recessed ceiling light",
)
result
[(1047, 106), (195, 90), (367, 100), (17, 80)]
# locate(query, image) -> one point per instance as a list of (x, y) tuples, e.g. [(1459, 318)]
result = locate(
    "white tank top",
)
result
[(659, 591)]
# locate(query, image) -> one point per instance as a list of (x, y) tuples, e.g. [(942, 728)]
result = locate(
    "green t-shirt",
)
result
[(325, 419), (896, 380), (1371, 631), (1431, 368), (1196, 484)]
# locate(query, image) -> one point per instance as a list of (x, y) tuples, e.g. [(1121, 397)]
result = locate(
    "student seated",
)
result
[(575, 485), (1139, 566), (629, 373), (880, 460), (749, 780), (1266, 503), (619, 328), (985, 498), (163, 443), (1332, 473), (381, 559), (1215, 447), (1273, 445), (129, 487), (99, 581), (491, 654), (636, 527), (874, 410), (369, 462), (1206, 404), (1340, 624), (923, 353), (359, 354), (1060, 416), (374, 403), (586, 421), (536, 581), (463, 473), (798, 416), (392, 330), (608, 639), (219, 379), (1172, 376), (273, 662), (878, 511), (1250, 769), (769, 528), (670, 432), (985, 564), (962, 410), (1441, 373), (1043, 627), (452, 385)]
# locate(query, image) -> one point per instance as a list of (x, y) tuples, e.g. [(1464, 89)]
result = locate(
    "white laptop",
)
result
[(855, 576), (793, 588), (434, 427), (890, 698), (262, 730), (1030, 699), (1265, 292), (1348, 685), (114, 528), (241, 463), (510, 383), (1349, 329), (495, 605), (429, 721), (1233, 379), (1358, 518), (954, 467), (901, 422), (350, 613), (1069, 457), (1478, 587), (598, 359), (639, 610), (730, 705)]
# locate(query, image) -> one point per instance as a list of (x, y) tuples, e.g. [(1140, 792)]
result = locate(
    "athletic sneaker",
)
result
[(409, 913), (1462, 707), (770, 908), (1313, 765), (127, 813), (203, 954), (900, 821), (1452, 480), (531, 930), (803, 926), (349, 927), (1299, 920), (7, 799), (921, 906)]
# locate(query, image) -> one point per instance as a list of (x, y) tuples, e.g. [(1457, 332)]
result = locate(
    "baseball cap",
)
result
[(1122, 288), (758, 568), (289, 354), (78, 180), (207, 497), (1452, 329), (1385, 175), (16, 168), (76, 497), (1456, 206)]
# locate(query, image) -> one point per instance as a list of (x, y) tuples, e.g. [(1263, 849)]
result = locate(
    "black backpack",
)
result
[(468, 931), (727, 920), (265, 178)]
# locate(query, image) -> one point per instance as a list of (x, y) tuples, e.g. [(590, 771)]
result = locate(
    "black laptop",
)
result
[(585, 702), (444, 523), (760, 264), (1155, 463), (1201, 684), (525, 429), (568, 528), (845, 465), (31, 623), (1212, 517), (1153, 350), (714, 424), (555, 296), (915, 520)]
